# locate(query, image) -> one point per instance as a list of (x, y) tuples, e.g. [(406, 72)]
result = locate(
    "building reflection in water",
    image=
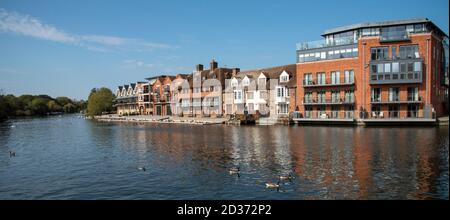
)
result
[(330, 162)]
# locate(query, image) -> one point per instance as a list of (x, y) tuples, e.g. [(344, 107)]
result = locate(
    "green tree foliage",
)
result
[(99, 101), (3, 108), (39, 106), (53, 106), (29, 105)]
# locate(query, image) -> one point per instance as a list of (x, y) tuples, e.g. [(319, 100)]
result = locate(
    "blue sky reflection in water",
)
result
[(72, 158)]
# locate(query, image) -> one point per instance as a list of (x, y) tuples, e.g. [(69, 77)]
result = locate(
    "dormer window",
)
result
[(246, 81), (284, 77)]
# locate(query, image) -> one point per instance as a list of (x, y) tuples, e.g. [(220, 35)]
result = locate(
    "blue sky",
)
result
[(65, 48)]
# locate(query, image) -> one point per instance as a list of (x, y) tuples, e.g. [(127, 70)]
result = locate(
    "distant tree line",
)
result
[(35, 105)]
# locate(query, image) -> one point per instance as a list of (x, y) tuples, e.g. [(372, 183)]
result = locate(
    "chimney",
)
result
[(213, 65), (199, 67), (235, 71)]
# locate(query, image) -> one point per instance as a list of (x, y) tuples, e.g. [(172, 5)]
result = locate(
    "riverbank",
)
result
[(162, 119)]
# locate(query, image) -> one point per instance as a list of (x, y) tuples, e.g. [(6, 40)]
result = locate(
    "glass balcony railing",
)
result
[(394, 36), (324, 43)]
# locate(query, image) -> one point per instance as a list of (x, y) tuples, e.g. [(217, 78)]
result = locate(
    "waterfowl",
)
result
[(234, 170), (12, 154), (142, 168), (288, 177), (273, 185)]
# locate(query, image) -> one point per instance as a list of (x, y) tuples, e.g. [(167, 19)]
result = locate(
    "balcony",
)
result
[(396, 71), (396, 100), (324, 116), (323, 43), (313, 83), (394, 36), (349, 100)]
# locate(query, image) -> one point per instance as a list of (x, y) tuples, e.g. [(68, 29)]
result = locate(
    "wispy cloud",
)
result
[(26, 25), (139, 64)]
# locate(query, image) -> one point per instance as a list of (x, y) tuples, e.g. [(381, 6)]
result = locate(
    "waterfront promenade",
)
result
[(162, 119)]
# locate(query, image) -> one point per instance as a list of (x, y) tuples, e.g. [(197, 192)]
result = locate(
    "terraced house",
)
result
[(379, 71), (265, 93)]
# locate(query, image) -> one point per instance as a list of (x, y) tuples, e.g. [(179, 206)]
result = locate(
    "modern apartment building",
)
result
[(380, 71)]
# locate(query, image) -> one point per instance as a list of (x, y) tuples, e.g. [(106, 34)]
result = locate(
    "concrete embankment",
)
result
[(162, 119)]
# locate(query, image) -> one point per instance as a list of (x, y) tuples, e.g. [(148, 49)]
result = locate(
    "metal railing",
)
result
[(349, 114), (328, 82), (324, 43)]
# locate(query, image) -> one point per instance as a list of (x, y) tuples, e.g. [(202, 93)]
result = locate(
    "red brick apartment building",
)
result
[(371, 72)]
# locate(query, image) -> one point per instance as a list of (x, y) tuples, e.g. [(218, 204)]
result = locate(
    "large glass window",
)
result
[(308, 97), (349, 76), (335, 77), (349, 97), (321, 97), (395, 67), (307, 79), (379, 53), (394, 94), (417, 66), (413, 94), (335, 96), (321, 79), (393, 33), (376, 95), (409, 52)]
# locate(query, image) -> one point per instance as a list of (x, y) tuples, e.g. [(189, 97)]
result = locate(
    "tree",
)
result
[(53, 106), (62, 100), (69, 108), (3, 108), (39, 106), (100, 100)]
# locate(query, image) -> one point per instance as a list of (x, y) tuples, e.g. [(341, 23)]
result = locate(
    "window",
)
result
[(395, 67), (410, 66), (394, 94), (307, 79), (413, 94), (321, 97), (321, 79), (238, 95), (335, 77), (374, 68), (387, 67), (409, 52), (284, 78), (394, 52), (417, 66), (349, 97), (376, 95), (308, 97), (349, 76), (283, 109), (379, 53), (335, 96), (380, 68)]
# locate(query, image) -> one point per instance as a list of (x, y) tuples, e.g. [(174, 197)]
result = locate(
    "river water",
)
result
[(70, 157)]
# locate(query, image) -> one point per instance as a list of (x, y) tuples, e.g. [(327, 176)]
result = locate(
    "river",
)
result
[(68, 157)]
